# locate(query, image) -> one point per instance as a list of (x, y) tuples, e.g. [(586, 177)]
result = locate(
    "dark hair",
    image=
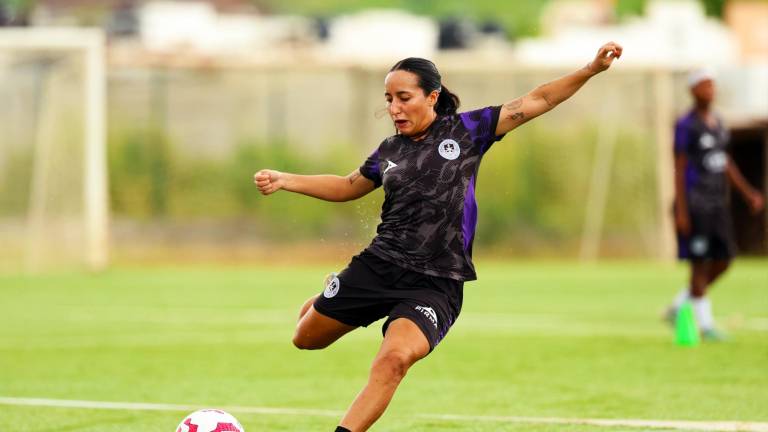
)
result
[(429, 81)]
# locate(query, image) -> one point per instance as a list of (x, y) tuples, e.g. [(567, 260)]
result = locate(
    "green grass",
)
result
[(534, 339)]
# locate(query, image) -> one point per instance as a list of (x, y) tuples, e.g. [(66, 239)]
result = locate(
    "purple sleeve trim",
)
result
[(370, 168), (682, 135), (469, 222), (481, 125)]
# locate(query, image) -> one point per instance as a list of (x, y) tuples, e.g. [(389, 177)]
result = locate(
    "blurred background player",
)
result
[(703, 172)]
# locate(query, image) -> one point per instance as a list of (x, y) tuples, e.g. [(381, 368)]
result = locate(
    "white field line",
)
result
[(725, 426), (631, 423)]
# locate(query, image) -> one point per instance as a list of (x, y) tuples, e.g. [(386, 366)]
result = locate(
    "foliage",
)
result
[(140, 166), (630, 7), (533, 185), (151, 181), (520, 18), (714, 8), (16, 12)]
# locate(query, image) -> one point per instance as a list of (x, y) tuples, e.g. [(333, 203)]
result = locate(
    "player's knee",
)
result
[(394, 364)]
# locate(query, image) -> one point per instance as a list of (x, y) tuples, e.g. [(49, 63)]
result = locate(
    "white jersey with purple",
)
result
[(429, 214)]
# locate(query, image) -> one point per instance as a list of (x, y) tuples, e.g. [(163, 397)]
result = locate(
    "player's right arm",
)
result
[(325, 187), (752, 196)]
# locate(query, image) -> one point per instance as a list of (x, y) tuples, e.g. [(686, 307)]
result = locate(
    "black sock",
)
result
[(342, 429)]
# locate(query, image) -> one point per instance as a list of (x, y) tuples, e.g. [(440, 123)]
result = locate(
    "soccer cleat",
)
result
[(714, 335)]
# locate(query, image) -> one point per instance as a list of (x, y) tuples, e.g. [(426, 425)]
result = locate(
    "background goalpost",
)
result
[(53, 172)]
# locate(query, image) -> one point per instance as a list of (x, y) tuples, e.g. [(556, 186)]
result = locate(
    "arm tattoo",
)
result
[(514, 104), (516, 116), (544, 95), (354, 176)]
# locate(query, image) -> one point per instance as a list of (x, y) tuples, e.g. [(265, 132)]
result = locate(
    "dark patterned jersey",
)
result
[(429, 213), (706, 185)]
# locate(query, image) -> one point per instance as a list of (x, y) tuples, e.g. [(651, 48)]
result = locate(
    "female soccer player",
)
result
[(414, 270)]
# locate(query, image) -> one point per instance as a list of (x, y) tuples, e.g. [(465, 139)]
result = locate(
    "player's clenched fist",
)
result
[(268, 181), (605, 56)]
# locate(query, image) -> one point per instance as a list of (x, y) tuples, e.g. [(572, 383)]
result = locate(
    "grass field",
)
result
[(539, 340)]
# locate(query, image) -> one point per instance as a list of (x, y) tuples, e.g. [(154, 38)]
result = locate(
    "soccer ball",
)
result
[(210, 420)]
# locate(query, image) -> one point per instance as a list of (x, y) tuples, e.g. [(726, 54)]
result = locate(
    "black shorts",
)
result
[(711, 237), (371, 288)]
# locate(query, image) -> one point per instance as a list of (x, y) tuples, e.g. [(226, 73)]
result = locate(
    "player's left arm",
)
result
[(547, 96), (752, 196)]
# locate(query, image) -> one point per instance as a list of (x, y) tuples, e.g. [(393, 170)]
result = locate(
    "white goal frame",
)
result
[(91, 43)]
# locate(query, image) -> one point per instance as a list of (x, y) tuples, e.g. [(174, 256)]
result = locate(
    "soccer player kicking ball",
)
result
[(414, 270), (703, 171)]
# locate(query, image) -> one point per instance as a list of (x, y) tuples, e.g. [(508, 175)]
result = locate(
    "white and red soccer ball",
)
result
[(210, 420)]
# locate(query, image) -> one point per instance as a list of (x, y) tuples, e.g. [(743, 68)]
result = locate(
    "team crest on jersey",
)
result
[(331, 286), (449, 149), (707, 141)]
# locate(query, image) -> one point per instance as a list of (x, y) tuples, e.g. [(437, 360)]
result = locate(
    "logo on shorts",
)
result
[(429, 313), (331, 286), (699, 245), (449, 149)]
